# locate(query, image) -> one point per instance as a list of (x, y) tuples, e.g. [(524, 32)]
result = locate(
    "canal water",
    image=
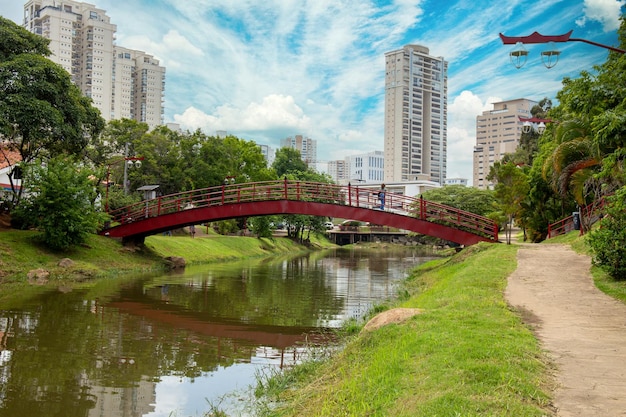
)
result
[(179, 344)]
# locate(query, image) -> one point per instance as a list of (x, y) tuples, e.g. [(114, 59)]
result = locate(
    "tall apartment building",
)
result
[(137, 87), (498, 131), (306, 146), (122, 83), (416, 97)]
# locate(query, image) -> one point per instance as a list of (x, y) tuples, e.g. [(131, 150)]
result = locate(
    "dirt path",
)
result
[(582, 329)]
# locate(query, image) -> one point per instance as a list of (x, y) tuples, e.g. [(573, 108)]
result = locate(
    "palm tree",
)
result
[(573, 166)]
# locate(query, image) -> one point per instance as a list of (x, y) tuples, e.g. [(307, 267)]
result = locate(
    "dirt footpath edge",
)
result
[(582, 329)]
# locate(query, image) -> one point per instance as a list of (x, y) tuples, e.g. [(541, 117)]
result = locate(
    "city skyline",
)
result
[(267, 71)]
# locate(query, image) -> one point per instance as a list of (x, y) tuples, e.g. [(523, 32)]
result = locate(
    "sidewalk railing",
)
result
[(587, 216)]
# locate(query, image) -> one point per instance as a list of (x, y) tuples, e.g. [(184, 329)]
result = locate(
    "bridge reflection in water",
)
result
[(297, 197), (165, 345)]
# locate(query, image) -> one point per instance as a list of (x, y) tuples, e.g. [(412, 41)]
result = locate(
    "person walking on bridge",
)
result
[(381, 196)]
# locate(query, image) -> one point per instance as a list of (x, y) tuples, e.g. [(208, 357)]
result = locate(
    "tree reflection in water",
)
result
[(102, 352)]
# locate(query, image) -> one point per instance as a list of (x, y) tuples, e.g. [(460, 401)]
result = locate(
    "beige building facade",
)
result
[(306, 146), (416, 96), (498, 131), (339, 171), (122, 83)]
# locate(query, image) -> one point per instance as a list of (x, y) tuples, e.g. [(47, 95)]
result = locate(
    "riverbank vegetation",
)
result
[(576, 165), (467, 353)]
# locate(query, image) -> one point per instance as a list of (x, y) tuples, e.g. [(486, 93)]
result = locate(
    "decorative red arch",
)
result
[(296, 197)]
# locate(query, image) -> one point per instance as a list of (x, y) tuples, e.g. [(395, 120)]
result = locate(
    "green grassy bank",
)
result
[(467, 354), (102, 257)]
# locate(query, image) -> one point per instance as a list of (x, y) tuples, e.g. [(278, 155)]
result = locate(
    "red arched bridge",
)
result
[(160, 214)]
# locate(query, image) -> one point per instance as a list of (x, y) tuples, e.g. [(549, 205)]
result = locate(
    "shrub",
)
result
[(60, 203), (608, 242)]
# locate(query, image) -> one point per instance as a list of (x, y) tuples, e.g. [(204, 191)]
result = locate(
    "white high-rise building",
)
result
[(122, 83), (498, 131), (269, 154), (416, 97), (367, 167)]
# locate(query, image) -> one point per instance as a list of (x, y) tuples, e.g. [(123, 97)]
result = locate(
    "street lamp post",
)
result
[(534, 123), (550, 56), (129, 162)]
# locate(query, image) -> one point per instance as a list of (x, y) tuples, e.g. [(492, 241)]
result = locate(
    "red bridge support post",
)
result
[(349, 195), (286, 195)]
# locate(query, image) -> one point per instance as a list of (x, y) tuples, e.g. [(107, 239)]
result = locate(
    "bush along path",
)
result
[(582, 329)]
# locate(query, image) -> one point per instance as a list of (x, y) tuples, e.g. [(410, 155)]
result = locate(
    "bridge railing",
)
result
[(356, 196)]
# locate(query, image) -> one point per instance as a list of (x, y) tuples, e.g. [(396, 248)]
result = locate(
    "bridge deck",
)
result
[(297, 197)]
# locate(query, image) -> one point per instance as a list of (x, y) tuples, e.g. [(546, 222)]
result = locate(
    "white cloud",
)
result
[(271, 69), (460, 152), (607, 12), (462, 113), (176, 43), (172, 49), (274, 112), (465, 107)]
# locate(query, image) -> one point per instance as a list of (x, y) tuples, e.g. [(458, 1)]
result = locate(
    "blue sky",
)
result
[(265, 70)]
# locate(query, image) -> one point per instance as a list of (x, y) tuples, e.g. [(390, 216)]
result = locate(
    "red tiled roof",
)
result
[(8, 157)]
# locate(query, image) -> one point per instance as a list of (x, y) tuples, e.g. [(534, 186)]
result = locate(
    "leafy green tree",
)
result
[(470, 199), (121, 132), (227, 227), (299, 223), (59, 202), (511, 189), (573, 167), (108, 152), (581, 155), (608, 242), (543, 205), (15, 40), (245, 161), (42, 113), (209, 160), (186, 161), (591, 126), (261, 226), (288, 160), (162, 162)]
